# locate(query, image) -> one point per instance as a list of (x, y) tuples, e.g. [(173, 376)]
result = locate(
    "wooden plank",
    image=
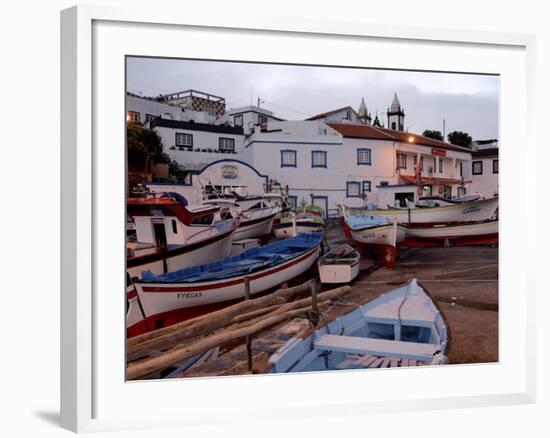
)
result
[(394, 363), (376, 363), (367, 362), (412, 362), (385, 363), (404, 362), (377, 347)]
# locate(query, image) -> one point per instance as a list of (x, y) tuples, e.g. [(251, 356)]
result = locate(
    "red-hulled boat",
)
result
[(172, 236)]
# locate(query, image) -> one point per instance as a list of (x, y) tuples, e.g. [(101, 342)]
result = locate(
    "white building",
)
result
[(248, 118), (341, 115), (225, 175), (194, 145), (356, 164), (484, 171)]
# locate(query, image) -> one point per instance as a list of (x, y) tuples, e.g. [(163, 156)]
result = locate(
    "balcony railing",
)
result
[(198, 149)]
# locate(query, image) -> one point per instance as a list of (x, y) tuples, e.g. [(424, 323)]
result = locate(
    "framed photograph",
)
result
[(301, 217)]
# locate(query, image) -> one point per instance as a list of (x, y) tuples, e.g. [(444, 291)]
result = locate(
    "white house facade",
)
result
[(484, 172), (194, 145), (355, 164)]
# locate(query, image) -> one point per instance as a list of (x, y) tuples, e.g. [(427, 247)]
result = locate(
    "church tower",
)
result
[(396, 115), (363, 113)]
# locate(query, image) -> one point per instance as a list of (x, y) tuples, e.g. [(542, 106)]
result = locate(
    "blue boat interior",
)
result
[(360, 221), (357, 340), (251, 260)]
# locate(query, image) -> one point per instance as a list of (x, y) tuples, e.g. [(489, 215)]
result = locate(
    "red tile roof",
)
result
[(366, 131)]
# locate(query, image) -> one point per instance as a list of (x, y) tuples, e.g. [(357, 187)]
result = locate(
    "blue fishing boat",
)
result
[(187, 289), (400, 328)]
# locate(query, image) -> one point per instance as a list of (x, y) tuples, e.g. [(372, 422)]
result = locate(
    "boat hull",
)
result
[(380, 235), (339, 273), (450, 231), (284, 230), (182, 257), (467, 212), (254, 228), (163, 298)]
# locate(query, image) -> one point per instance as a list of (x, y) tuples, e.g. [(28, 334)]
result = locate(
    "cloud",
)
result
[(467, 102)]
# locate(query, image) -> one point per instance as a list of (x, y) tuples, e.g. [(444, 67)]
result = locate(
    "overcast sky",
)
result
[(466, 102)]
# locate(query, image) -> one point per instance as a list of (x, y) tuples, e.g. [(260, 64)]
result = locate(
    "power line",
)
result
[(286, 108)]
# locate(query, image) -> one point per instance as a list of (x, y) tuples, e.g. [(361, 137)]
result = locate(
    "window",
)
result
[(393, 126), (185, 140), (293, 202), (318, 159), (440, 165), (226, 144), (401, 161), (461, 168), (461, 191), (421, 164), (447, 192), (348, 115), (133, 117), (262, 119), (366, 186), (353, 189), (174, 227), (495, 166), (477, 167), (288, 158), (238, 120), (149, 117), (363, 157)]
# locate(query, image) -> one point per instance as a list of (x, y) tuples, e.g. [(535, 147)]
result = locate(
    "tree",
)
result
[(144, 148), (177, 172), (460, 138), (436, 135)]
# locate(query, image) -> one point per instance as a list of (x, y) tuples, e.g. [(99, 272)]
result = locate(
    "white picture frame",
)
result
[(94, 398)]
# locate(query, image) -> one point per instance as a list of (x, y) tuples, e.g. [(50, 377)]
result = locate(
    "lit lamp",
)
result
[(410, 139)]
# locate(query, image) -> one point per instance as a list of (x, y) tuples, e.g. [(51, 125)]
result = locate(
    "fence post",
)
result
[(248, 338)]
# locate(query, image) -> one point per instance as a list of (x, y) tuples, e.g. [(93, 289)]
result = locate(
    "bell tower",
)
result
[(396, 115), (363, 113)]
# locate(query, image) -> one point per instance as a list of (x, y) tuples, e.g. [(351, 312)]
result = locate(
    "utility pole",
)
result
[(443, 129), (259, 101)]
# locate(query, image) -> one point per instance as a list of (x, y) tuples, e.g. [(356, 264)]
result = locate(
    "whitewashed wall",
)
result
[(487, 183), (201, 140)]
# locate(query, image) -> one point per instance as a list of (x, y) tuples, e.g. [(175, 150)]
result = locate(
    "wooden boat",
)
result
[(484, 232), (435, 201), (172, 236), (402, 327), (306, 219), (186, 293), (479, 210), (255, 215), (341, 265), (370, 229)]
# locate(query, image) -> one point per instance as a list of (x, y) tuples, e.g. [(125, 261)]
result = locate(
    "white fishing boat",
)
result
[(255, 218), (307, 219), (340, 265), (400, 328), (479, 210), (370, 229), (186, 293), (172, 236), (455, 230)]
